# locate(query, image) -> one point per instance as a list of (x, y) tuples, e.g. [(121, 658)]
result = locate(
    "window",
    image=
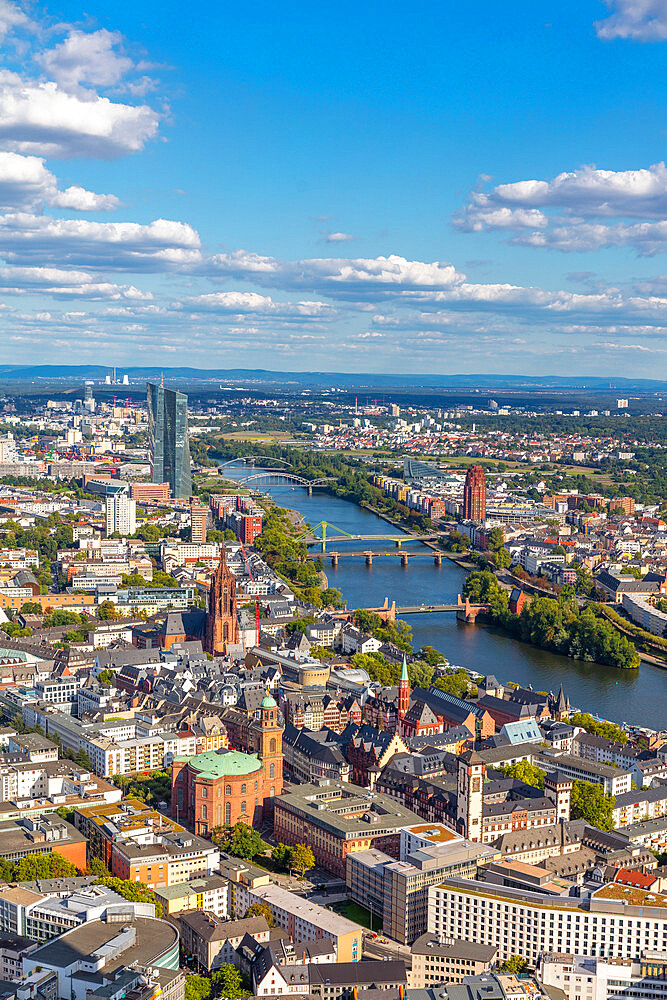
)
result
[(272, 771), (203, 812), (272, 746), (243, 789), (228, 789), (204, 792), (228, 813), (273, 791), (243, 806)]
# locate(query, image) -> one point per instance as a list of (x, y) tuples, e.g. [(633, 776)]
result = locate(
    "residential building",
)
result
[(209, 892), (449, 961), (213, 941), (121, 515), (302, 919)]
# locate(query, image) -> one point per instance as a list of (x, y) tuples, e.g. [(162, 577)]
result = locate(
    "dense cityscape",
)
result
[(222, 776), (333, 500)]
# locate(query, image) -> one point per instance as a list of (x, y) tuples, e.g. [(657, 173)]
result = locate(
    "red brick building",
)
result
[(223, 787), (474, 494)]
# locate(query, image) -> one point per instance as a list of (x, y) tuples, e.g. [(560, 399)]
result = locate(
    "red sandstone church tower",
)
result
[(474, 494), (222, 627)]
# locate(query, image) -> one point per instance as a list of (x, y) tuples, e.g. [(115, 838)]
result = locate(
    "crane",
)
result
[(252, 577)]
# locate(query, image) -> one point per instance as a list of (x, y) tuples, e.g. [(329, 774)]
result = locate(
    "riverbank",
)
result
[(636, 696)]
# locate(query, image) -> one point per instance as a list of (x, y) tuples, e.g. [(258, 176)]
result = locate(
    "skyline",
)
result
[(382, 191)]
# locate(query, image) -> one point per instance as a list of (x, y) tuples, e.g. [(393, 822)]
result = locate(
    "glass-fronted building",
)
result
[(168, 438)]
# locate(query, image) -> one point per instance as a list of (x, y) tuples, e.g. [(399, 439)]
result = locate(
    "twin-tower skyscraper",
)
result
[(168, 438)]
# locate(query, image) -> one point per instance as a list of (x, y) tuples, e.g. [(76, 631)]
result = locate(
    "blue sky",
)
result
[(357, 187)]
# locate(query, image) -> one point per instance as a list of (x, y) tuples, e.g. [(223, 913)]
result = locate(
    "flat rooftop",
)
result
[(436, 833), (154, 937), (631, 895)]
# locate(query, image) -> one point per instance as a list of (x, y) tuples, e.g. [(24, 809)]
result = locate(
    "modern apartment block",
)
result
[(168, 439)]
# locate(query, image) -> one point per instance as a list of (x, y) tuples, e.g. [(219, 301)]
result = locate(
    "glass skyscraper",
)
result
[(168, 438)]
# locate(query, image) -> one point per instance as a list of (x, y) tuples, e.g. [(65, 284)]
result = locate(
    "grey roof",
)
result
[(364, 973), (428, 944), (153, 938)]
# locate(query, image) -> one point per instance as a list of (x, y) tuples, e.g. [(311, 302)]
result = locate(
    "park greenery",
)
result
[(558, 625), (134, 892), (150, 788), (287, 555)]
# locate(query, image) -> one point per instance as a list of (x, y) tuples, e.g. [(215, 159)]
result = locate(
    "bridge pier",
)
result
[(334, 558), (398, 542), (369, 558), (437, 558), (310, 491), (404, 559)]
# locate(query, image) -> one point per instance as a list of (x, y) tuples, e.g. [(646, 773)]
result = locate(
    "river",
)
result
[(636, 697)]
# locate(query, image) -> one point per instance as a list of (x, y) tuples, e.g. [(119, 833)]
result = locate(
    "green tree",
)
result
[(457, 683), (197, 987), (261, 910), (97, 867), (107, 611), (609, 730), (432, 656), (280, 855), (420, 674), (525, 772), (241, 840), (589, 802), (503, 559), (514, 964), (302, 859), (228, 982), (496, 539)]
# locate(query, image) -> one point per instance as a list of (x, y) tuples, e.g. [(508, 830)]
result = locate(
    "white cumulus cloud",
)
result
[(86, 57), (42, 118), (642, 20)]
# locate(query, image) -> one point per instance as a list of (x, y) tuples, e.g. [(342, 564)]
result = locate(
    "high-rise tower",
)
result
[(474, 494), (222, 627), (168, 438)]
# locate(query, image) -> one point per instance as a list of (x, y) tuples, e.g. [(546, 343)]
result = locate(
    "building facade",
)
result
[(168, 439), (222, 626), (474, 494)]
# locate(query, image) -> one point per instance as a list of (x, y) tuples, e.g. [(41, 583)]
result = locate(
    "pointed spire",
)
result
[(404, 670)]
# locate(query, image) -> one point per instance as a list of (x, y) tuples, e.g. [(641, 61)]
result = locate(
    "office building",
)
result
[(168, 439), (121, 515), (474, 494), (397, 891), (335, 819), (616, 919), (435, 962)]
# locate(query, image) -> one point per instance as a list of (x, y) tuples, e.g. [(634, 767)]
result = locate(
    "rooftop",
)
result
[(631, 895), (221, 763), (153, 938)]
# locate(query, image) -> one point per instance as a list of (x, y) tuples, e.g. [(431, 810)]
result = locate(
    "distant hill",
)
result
[(369, 380)]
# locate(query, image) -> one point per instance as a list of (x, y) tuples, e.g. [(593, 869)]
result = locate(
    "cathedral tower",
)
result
[(222, 627)]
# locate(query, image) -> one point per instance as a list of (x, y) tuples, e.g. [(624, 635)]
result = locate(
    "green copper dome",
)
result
[(223, 765), (269, 702)]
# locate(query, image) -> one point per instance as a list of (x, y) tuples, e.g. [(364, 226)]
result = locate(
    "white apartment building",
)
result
[(121, 515), (615, 920)]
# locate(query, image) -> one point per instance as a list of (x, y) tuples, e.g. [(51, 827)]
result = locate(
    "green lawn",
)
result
[(357, 914)]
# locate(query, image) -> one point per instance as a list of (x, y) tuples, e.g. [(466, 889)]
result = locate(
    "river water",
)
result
[(638, 697)]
